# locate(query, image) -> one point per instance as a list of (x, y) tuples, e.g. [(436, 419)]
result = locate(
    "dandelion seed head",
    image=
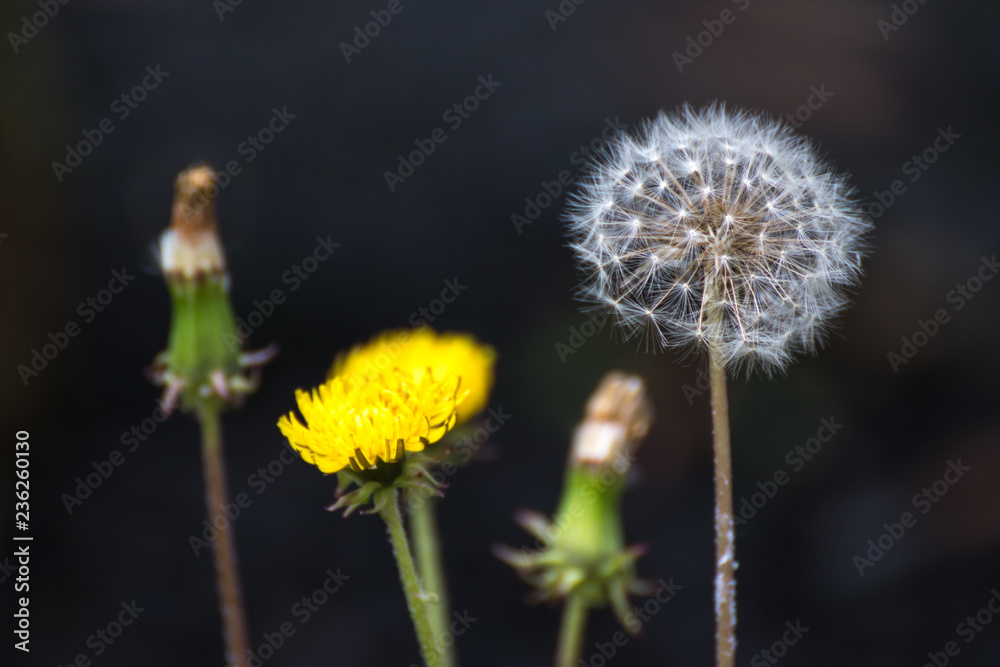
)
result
[(734, 235)]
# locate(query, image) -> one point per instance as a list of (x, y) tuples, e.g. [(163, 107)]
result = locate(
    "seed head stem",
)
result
[(725, 548)]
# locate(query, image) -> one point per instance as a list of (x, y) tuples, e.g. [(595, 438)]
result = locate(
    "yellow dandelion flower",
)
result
[(421, 351), (356, 422)]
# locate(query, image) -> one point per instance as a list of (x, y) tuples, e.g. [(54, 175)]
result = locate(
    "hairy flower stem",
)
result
[(427, 545), (571, 631), (227, 573), (725, 560), (416, 598)]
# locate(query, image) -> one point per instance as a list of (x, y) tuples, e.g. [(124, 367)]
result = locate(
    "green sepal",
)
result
[(202, 335), (581, 552)]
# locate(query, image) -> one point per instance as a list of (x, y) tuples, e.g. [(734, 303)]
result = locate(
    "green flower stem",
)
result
[(725, 552), (571, 631), (427, 545), (416, 599), (227, 574)]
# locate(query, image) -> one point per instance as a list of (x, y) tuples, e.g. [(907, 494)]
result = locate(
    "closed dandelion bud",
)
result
[(582, 552), (718, 229), (204, 362)]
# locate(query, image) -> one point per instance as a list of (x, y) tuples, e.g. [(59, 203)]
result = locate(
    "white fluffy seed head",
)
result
[(718, 229)]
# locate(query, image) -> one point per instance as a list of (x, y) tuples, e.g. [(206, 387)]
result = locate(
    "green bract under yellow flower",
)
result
[(425, 351), (357, 422)]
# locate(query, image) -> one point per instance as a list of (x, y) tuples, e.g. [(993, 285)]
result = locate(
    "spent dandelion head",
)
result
[(618, 416), (190, 247), (204, 363), (721, 229)]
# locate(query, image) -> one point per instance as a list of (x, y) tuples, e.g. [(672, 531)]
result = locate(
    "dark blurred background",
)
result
[(886, 95)]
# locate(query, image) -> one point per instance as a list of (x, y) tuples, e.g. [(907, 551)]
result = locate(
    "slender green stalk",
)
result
[(725, 551), (416, 598), (571, 631), (427, 545), (227, 574)]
